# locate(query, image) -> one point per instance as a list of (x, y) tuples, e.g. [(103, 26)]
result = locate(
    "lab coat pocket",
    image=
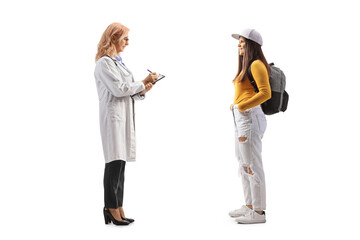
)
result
[(115, 111)]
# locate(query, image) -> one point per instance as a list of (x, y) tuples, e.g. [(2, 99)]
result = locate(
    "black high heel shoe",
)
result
[(109, 218), (130, 220)]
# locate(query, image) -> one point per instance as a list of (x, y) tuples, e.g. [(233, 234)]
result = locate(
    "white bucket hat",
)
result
[(251, 34)]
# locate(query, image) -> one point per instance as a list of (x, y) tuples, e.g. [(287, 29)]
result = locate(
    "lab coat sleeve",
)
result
[(114, 83), (138, 97)]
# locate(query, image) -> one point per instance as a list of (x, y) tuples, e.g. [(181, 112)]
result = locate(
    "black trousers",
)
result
[(114, 183)]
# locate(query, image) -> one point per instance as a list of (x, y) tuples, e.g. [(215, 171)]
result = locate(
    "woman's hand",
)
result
[(148, 86), (150, 78)]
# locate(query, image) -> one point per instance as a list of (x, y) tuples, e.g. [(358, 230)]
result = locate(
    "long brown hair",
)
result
[(111, 35), (253, 52)]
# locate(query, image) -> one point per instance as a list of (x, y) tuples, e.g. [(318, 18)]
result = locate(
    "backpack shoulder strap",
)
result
[(251, 78)]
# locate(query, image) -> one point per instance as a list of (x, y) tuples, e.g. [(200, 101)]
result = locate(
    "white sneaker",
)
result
[(252, 217), (244, 210)]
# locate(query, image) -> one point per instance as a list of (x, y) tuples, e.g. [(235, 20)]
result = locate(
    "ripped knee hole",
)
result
[(248, 170)]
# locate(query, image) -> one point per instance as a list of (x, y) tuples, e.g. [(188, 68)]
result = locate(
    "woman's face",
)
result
[(123, 42), (241, 46)]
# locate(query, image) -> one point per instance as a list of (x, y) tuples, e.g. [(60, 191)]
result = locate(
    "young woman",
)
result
[(250, 125), (117, 91)]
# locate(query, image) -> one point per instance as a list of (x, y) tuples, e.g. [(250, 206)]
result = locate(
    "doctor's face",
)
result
[(122, 43)]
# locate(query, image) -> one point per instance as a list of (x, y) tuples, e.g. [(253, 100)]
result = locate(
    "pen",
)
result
[(149, 71)]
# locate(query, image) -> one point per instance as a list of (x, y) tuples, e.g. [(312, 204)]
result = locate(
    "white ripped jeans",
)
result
[(251, 125)]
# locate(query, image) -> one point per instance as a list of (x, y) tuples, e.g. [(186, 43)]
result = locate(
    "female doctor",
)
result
[(117, 91)]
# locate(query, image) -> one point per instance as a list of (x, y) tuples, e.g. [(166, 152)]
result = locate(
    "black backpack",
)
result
[(279, 97)]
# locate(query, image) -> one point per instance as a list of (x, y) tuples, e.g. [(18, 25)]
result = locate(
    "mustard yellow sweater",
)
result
[(245, 95)]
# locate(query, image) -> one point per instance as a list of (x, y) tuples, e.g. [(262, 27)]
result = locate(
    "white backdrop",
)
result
[(185, 179)]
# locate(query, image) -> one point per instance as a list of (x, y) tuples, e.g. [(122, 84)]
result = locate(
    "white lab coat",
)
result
[(117, 91)]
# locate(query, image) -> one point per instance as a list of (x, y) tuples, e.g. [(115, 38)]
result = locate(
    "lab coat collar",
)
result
[(118, 58)]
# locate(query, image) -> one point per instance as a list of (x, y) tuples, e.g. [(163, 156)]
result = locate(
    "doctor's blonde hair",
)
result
[(111, 35)]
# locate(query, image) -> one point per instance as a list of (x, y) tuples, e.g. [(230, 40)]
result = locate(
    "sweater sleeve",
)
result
[(261, 78)]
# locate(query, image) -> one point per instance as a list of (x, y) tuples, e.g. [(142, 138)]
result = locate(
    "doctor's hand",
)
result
[(148, 86), (150, 78)]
